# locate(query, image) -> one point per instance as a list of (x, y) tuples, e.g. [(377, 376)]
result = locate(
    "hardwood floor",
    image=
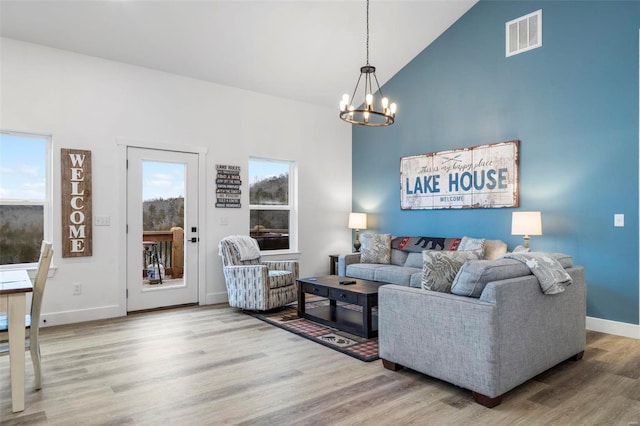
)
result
[(214, 365)]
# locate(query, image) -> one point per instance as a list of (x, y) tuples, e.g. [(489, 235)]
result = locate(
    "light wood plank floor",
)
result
[(214, 365)]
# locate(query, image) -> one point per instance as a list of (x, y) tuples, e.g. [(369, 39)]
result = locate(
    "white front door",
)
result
[(162, 202)]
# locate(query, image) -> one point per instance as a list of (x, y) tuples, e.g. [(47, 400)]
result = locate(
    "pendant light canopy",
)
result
[(367, 113)]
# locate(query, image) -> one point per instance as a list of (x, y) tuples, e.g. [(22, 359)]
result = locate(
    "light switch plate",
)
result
[(102, 221), (618, 219)]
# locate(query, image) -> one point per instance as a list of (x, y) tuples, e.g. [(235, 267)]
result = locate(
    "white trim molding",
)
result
[(613, 327)]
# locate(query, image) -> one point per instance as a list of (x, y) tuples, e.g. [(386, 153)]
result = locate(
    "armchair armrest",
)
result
[(283, 265), (345, 260)]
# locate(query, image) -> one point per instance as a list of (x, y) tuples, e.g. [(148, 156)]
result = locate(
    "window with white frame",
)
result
[(25, 197), (272, 203)]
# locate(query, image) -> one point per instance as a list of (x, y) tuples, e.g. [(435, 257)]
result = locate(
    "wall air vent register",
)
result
[(524, 33)]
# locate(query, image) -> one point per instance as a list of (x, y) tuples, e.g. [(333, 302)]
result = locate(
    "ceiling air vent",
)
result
[(524, 33)]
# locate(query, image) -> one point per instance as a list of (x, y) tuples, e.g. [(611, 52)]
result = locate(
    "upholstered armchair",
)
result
[(251, 283)]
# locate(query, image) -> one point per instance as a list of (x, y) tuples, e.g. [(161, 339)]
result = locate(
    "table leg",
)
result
[(366, 317), (16, 312), (301, 300)]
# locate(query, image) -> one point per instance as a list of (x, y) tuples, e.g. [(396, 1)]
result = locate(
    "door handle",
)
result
[(194, 239)]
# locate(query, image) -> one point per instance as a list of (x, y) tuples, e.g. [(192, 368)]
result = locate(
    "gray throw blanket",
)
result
[(551, 275)]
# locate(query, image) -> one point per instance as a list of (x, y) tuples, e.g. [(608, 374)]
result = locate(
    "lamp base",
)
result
[(356, 242), (526, 241)]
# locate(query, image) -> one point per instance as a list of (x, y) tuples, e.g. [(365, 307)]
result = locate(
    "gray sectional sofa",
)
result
[(405, 263), (497, 332)]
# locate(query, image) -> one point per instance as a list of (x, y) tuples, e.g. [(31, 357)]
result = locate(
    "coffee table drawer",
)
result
[(342, 296), (314, 289)]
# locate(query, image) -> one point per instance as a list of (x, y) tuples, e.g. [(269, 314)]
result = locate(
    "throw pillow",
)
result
[(376, 248), (417, 244), (494, 249), (521, 249), (440, 267), (468, 243)]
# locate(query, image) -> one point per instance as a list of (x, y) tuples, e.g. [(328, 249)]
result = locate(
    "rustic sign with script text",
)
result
[(484, 176), (77, 235)]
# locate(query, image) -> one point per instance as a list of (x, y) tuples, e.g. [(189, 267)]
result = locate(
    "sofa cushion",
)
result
[(476, 274), (376, 248), (494, 249), (393, 274), (417, 244), (440, 267), (365, 271), (414, 260)]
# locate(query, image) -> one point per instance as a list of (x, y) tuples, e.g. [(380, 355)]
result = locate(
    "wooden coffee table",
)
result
[(363, 293)]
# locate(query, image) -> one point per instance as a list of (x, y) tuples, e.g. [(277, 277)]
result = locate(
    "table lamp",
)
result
[(526, 223), (357, 221)]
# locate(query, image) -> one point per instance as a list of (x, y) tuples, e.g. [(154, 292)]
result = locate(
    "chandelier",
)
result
[(367, 114)]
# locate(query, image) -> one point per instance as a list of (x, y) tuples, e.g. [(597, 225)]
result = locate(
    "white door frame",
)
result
[(123, 144)]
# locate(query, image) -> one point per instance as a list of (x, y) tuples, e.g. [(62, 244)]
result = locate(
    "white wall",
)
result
[(90, 103)]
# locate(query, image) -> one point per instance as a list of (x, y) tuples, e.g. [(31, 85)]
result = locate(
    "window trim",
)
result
[(292, 207), (47, 225)]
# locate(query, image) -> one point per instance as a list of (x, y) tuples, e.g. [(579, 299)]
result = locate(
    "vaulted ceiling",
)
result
[(305, 50)]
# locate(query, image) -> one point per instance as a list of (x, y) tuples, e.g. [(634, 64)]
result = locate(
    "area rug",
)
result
[(287, 319)]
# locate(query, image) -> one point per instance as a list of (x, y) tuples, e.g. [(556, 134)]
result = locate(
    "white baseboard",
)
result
[(81, 315), (215, 298), (613, 327), (104, 312)]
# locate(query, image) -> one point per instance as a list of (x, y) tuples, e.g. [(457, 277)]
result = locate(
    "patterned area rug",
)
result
[(287, 318)]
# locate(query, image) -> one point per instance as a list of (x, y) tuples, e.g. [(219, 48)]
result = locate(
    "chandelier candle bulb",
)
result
[(369, 99), (385, 103)]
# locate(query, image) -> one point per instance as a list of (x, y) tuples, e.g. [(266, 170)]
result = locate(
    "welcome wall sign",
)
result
[(484, 176), (77, 235)]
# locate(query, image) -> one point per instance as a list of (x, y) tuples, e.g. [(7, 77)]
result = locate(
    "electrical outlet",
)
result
[(618, 220), (77, 289)]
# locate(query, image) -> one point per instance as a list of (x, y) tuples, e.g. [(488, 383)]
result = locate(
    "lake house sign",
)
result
[(484, 176)]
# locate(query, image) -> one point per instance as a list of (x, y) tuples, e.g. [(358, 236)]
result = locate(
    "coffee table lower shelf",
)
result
[(341, 318)]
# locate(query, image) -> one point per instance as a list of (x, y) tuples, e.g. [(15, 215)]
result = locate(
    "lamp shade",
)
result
[(526, 223), (357, 220)]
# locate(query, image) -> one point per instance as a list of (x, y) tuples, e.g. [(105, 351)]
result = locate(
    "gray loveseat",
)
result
[(490, 344)]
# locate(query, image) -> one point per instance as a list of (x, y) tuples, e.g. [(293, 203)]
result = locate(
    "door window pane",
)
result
[(163, 190)]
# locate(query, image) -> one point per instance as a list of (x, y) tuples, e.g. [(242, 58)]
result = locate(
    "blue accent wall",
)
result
[(573, 104)]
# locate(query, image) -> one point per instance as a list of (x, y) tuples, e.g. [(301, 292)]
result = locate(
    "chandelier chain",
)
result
[(367, 32)]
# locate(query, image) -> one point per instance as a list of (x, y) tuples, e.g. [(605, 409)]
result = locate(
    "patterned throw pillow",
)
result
[(440, 267), (468, 243), (376, 248)]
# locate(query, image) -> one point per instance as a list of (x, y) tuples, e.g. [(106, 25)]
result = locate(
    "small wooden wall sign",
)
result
[(228, 186), (77, 215)]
